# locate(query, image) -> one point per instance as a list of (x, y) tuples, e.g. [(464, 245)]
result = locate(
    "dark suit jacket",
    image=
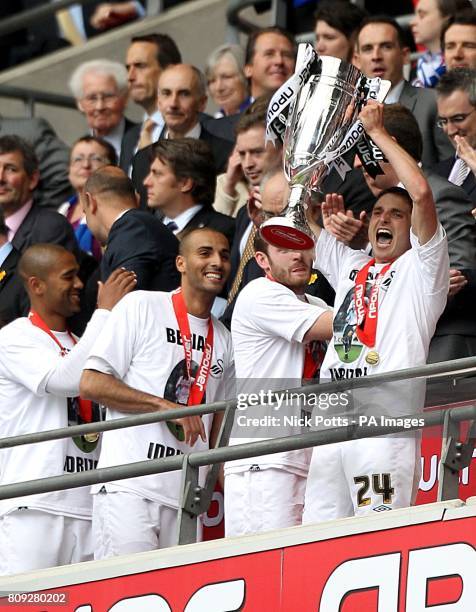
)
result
[(128, 146), (223, 127), (221, 150), (14, 301), (421, 102), (140, 242), (41, 225), (53, 158), (454, 212), (469, 185), (209, 217)]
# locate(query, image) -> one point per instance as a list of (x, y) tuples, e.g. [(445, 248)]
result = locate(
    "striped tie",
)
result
[(248, 253), (460, 172)]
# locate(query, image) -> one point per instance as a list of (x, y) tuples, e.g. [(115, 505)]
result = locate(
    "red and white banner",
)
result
[(412, 561)]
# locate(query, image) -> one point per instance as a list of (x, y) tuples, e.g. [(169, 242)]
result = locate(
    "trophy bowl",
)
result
[(317, 131)]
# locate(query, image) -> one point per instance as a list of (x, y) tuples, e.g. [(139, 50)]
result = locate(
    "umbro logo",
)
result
[(217, 369), (381, 508)]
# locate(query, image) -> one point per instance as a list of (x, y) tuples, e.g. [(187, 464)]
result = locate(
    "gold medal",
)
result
[(91, 437), (372, 358)]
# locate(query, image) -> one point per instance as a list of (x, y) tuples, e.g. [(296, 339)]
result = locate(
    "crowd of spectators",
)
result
[(159, 223)]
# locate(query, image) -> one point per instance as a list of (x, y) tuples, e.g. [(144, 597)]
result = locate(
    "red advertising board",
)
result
[(413, 561)]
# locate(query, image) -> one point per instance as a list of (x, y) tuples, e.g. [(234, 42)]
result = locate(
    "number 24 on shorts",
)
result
[(381, 485)]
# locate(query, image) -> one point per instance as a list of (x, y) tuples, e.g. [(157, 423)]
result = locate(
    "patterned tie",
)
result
[(248, 253), (460, 172), (145, 138)]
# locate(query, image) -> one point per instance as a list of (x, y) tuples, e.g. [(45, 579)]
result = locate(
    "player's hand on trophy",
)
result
[(371, 117), (339, 222), (119, 283)]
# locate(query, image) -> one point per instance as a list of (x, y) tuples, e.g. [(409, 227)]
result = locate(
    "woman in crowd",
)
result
[(226, 82), (337, 22), (87, 155), (430, 17)]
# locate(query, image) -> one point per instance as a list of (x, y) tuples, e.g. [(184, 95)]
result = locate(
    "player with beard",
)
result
[(406, 284), (40, 366), (273, 328), (139, 364)]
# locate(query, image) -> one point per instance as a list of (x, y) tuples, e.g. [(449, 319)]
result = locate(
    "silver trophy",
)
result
[(321, 126)]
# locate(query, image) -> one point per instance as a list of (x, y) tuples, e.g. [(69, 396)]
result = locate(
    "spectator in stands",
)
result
[(181, 185), (146, 57), (250, 158), (381, 52), (336, 25), (100, 89), (138, 366), (40, 368), (410, 259), (53, 187), (456, 99), (226, 81), (182, 97), (27, 222), (87, 155), (430, 17), (13, 300), (269, 60), (458, 40)]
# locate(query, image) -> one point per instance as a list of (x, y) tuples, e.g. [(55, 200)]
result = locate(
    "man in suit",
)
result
[(270, 58), (455, 334), (381, 52), (146, 57), (53, 158), (456, 99), (458, 39), (182, 97), (133, 239), (100, 89), (27, 222), (13, 300), (181, 186)]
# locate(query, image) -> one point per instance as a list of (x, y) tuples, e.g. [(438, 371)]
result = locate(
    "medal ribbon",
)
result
[(311, 365), (85, 406), (367, 316), (197, 390)]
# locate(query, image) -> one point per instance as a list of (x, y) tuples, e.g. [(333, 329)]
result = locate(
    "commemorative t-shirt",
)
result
[(28, 356), (268, 326), (141, 345), (411, 297)]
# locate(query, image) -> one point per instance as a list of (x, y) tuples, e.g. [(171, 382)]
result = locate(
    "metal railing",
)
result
[(30, 97), (31, 16), (195, 499)]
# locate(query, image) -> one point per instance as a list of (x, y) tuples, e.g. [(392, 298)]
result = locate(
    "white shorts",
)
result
[(34, 539), (126, 523), (257, 501), (362, 476)]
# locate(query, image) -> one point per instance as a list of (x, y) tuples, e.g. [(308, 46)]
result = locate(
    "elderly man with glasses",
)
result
[(100, 89)]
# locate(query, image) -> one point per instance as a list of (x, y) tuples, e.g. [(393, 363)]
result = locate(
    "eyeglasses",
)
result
[(442, 122), (105, 98), (91, 159)]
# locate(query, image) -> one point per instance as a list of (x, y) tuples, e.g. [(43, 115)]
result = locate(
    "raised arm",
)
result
[(424, 217)]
